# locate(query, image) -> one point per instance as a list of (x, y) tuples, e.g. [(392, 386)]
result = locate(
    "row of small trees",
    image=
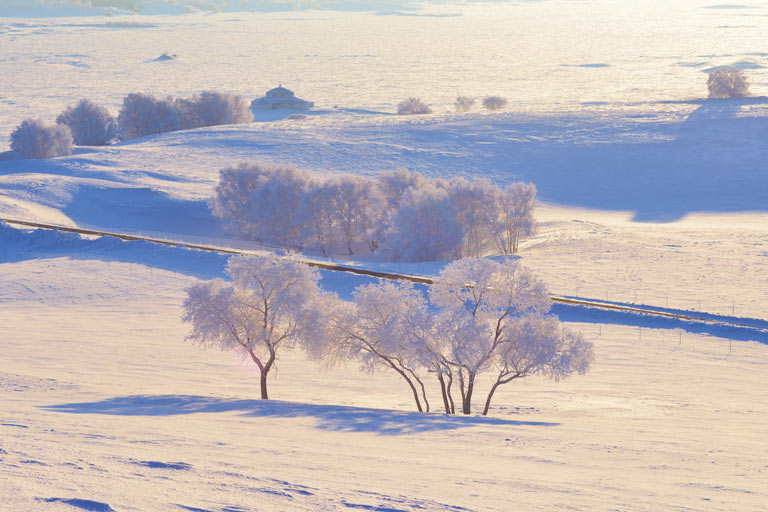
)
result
[(400, 215), (89, 124), (479, 317), (414, 106)]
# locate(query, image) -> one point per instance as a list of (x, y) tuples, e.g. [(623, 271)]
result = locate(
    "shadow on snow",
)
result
[(329, 417)]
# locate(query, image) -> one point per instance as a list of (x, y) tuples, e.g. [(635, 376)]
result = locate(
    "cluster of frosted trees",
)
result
[(89, 124), (399, 215), (142, 114), (479, 318)]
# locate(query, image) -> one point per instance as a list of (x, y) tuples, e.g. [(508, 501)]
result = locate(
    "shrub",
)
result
[(413, 106), (494, 102), (33, 139), (727, 82), (216, 108), (464, 103), (143, 114), (91, 124)]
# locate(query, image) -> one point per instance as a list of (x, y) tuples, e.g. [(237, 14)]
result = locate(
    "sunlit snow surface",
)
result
[(653, 195)]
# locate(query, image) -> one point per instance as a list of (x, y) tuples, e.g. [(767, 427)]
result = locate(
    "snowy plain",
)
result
[(651, 195)]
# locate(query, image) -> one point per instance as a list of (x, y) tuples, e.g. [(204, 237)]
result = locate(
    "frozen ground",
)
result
[(651, 195)]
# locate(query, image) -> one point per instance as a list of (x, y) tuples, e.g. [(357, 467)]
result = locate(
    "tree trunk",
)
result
[(264, 395), (467, 405), (490, 395), (444, 392), (263, 371), (410, 383), (450, 396)]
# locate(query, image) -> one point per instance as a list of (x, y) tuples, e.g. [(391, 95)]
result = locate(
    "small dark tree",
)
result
[(464, 103), (494, 102), (413, 106)]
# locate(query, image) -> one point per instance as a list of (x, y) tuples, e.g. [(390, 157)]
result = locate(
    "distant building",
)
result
[(280, 97)]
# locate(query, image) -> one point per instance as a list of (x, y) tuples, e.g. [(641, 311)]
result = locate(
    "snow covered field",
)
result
[(651, 195)]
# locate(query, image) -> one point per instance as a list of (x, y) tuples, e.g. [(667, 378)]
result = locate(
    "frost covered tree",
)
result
[(358, 209), (494, 102), (476, 210), (213, 108), (425, 226), (464, 103), (91, 124), (33, 139), (276, 205), (538, 345), (263, 202), (513, 219), (318, 219), (270, 303), (727, 82), (142, 114), (492, 317), (383, 328), (393, 184), (231, 200), (413, 106)]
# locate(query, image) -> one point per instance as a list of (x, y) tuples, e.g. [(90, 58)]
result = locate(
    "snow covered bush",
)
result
[(413, 106), (142, 114), (393, 184), (33, 139), (212, 108), (464, 103), (727, 82), (269, 304), (91, 124), (494, 102), (425, 227), (263, 202)]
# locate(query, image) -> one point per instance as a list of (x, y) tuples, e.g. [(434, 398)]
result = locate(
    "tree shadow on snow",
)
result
[(329, 417)]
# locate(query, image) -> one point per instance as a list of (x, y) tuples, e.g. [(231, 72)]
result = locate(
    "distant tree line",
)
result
[(399, 215), (88, 124)]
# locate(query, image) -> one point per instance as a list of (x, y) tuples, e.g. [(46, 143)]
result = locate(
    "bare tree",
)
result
[(413, 106), (494, 102), (464, 103)]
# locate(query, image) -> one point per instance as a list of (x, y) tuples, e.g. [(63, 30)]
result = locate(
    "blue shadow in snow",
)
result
[(141, 209), (577, 313), (329, 417)]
